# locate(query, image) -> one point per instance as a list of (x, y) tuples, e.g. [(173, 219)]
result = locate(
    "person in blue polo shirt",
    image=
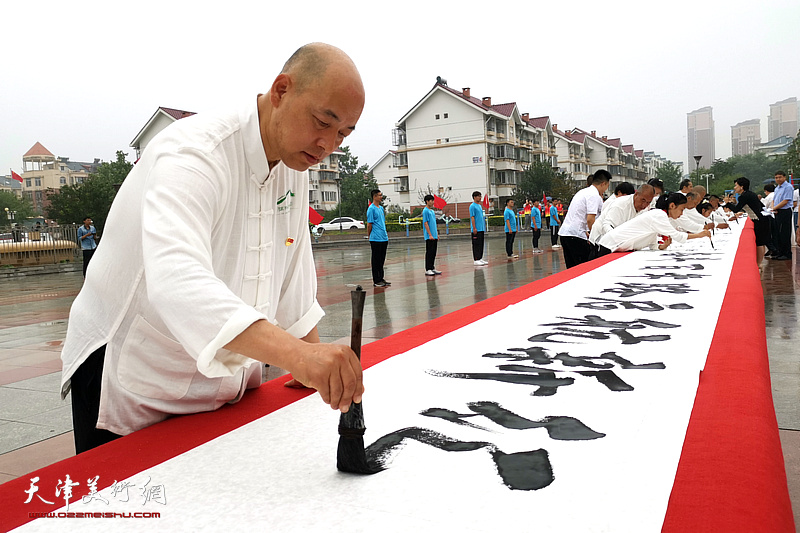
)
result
[(378, 239), (477, 227), (510, 223), (536, 226), (431, 234), (782, 207)]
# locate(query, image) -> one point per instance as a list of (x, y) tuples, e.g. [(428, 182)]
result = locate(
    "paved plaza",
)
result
[(36, 426)]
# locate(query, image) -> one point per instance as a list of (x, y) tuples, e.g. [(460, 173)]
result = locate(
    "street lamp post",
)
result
[(338, 180), (697, 159)]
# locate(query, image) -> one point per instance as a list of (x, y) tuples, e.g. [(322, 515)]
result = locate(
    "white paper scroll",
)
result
[(279, 473)]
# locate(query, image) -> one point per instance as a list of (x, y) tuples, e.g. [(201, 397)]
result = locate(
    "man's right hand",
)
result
[(333, 370)]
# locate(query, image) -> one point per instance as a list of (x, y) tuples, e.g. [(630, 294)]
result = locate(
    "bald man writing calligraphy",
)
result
[(205, 270)]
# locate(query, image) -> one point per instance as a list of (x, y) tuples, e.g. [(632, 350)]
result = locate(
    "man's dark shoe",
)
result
[(781, 257), (388, 284), (380, 284)]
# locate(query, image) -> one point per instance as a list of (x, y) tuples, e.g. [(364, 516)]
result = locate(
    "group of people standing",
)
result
[(780, 201)]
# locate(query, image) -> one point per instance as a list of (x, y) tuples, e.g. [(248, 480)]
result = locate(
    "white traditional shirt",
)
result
[(642, 232), (203, 239), (612, 216), (688, 222), (586, 201)]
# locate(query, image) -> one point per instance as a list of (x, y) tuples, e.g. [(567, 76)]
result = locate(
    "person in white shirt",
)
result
[(583, 210), (686, 186), (767, 200), (691, 220), (644, 231), (795, 204), (658, 185), (205, 271), (621, 190), (621, 211)]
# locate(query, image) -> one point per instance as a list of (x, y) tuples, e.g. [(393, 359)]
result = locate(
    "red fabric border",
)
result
[(731, 475)]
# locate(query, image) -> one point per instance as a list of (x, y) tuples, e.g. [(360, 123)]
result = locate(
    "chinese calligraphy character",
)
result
[(155, 493), (33, 490), (66, 486), (93, 494), (120, 488)]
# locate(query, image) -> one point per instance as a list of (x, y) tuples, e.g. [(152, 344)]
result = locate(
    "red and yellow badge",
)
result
[(289, 241)]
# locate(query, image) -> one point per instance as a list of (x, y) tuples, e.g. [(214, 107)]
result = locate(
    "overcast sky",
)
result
[(83, 77)]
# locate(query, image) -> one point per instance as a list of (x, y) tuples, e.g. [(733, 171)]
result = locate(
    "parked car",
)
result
[(441, 219), (347, 223)]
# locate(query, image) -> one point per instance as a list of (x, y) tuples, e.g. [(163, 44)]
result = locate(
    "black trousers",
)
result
[(602, 250), (553, 235), (85, 391), (537, 234), (783, 232), (510, 236), (477, 245), (576, 250), (430, 253), (378, 258), (87, 256), (773, 235)]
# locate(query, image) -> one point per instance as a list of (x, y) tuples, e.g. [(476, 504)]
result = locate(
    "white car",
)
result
[(334, 225)]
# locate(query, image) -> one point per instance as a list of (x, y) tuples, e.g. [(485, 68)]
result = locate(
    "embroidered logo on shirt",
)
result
[(284, 203)]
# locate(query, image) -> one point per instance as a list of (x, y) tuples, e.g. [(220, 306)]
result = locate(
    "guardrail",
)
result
[(23, 246)]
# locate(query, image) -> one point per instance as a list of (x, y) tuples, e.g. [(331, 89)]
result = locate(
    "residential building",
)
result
[(700, 136), (456, 143), (10, 185), (745, 136), (163, 117), (572, 151), (323, 183), (459, 143), (42, 172), (783, 119)]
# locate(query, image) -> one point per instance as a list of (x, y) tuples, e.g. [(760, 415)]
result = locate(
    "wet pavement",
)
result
[(35, 424)]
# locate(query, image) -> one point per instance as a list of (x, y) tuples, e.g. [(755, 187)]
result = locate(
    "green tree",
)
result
[(541, 179), (21, 207), (356, 185), (792, 158), (671, 175), (93, 197)]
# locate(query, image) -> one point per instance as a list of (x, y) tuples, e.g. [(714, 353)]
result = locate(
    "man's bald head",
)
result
[(643, 196), (312, 105), (699, 190), (310, 64)]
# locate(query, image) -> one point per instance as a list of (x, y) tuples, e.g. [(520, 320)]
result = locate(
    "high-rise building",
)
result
[(745, 136), (700, 135), (783, 119)]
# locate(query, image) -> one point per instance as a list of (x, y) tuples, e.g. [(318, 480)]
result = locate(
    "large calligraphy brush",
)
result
[(351, 455)]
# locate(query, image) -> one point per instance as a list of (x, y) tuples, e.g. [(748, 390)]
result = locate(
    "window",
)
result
[(445, 115), (27, 182), (38, 182), (437, 117), (63, 180)]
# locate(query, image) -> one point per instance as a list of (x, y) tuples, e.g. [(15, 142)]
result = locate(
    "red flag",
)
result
[(544, 199), (486, 202), (314, 217), (438, 203), (16, 176)]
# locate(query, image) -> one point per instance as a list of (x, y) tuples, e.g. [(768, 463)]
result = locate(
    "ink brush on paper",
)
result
[(351, 456)]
